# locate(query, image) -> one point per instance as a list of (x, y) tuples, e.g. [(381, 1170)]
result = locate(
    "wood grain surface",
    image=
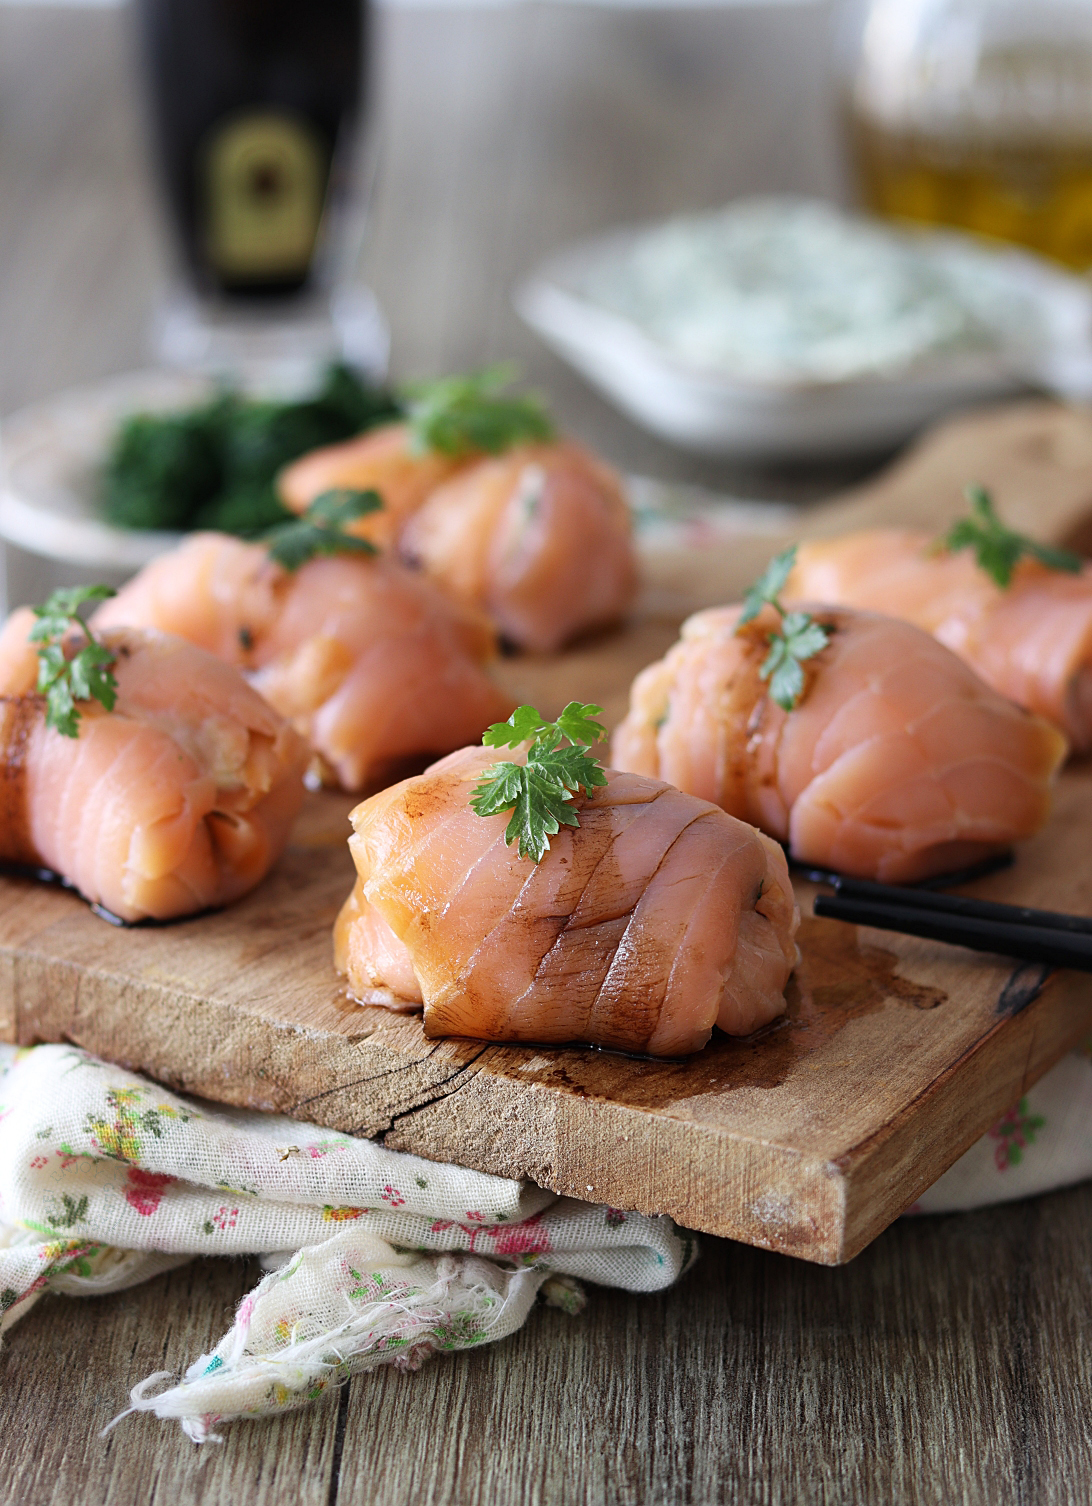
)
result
[(949, 1363)]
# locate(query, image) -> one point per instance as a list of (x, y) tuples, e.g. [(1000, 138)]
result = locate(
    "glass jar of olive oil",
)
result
[(978, 114)]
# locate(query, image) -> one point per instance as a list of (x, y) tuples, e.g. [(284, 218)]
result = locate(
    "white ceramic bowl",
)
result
[(709, 412)]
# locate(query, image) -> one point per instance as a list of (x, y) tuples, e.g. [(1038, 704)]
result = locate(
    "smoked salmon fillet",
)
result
[(539, 538), (657, 918), (897, 763), (180, 798), (1032, 640), (372, 663)]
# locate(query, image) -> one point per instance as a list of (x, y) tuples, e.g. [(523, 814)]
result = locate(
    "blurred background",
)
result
[(488, 136)]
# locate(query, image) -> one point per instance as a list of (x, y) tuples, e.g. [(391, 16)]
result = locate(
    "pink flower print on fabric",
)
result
[(392, 1196), (144, 1190), (225, 1217), (57, 1256), (521, 1241), (39, 1162), (1014, 1132)]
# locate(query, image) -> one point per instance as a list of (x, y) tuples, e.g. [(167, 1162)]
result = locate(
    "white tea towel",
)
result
[(107, 1179), (1043, 1142)]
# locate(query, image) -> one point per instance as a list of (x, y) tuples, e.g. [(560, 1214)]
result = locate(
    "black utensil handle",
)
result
[(959, 904), (1032, 943)]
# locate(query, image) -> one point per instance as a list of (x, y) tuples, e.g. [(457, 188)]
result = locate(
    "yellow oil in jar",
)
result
[(1038, 194)]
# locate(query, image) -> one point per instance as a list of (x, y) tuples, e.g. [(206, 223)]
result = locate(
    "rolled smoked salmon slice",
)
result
[(1032, 640), (657, 918), (897, 763), (372, 663), (540, 539), (179, 799)]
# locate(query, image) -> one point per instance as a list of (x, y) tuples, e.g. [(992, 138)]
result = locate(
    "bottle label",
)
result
[(264, 180)]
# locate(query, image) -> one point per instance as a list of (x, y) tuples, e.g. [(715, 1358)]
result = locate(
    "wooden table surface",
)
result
[(950, 1362)]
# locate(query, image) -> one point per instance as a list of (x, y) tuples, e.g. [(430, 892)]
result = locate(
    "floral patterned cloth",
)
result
[(1043, 1142), (374, 1257)]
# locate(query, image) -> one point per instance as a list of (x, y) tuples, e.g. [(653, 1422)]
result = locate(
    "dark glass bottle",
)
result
[(254, 104)]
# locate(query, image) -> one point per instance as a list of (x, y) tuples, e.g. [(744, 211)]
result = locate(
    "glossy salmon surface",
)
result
[(179, 799), (897, 763), (1032, 640), (657, 918), (372, 663), (539, 538), (384, 460)]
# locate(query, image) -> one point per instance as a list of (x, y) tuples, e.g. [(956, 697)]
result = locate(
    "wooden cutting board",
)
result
[(895, 1054)]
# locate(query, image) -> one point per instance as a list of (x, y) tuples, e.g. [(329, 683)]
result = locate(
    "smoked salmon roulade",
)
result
[(1030, 640), (655, 919), (178, 799), (372, 663), (540, 539), (898, 762)]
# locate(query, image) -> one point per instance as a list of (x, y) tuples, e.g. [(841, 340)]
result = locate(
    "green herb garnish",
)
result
[(214, 465), (539, 792), (64, 678), (321, 529), (998, 550), (462, 415), (768, 587), (800, 638)]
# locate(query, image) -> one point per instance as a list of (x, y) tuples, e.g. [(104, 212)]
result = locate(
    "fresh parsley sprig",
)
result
[(998, 550), (768, 587), (65, 678), (539, 792), (464, 415), (321, 529), (800, 638)]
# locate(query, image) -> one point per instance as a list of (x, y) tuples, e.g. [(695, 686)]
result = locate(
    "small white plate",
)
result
[(50, 457), (709, 412), (52, 453)]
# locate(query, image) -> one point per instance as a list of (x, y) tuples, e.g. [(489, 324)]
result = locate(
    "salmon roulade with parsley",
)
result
[(482, 496), (881, 755), (372, 663), (176, 797), (1024, 626), (540, 539), (654, 919)]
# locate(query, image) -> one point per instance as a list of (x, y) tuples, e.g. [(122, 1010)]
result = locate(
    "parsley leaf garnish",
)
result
[(539, 792), (998, 550), (800, 638), (769, 585), (64, 678), (462, 415), (321, 529)]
